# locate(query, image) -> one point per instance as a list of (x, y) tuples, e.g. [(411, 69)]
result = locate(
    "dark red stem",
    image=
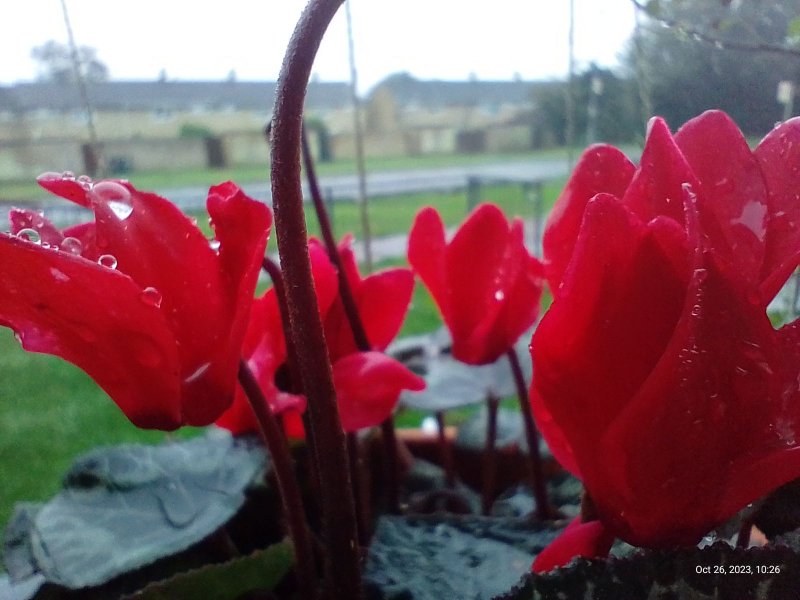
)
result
[(538, 483), (490, 456), (338, 512), (445, 451), (354, 319), (746, 528), (359, 489), (275, 441)]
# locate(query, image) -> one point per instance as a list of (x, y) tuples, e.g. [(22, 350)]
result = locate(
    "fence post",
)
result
[(329, 204), (473, 192), (536, 189)]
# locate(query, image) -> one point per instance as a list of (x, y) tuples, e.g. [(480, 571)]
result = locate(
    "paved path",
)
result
[(344, 188), (390, 183)]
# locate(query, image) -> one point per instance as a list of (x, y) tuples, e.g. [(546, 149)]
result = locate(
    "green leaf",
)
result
[(451, 384), (429, 558), (127, 506), (261, 570)]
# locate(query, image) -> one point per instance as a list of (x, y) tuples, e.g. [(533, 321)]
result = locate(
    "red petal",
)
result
[(28, 219), (601, 169), (588, 540), (293, 425), (521, 295), (778, 155), (732, 198), (326, 282), (368, 385), (66, 187), (95, 318), (161, 248), (382, 300), (616, 312), (487, 286), (86, 234), (426, 254), (657, 186), (476, 280), (348, 261)]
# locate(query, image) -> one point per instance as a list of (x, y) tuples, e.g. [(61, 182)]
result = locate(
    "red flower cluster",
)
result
[(138, 298), (658, 378), (368, 384), (484, 281)]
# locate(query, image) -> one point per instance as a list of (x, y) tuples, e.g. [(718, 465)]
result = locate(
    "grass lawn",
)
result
[(51, 411)]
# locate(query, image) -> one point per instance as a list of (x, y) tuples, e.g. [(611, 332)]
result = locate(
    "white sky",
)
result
[(444, 39)]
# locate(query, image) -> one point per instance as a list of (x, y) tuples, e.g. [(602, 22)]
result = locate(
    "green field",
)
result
[(50, 411)]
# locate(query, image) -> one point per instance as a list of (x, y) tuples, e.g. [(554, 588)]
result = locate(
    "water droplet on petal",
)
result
[(214, 244), (18, 336), (68, 175), (59, 275), (499, 295), (85, 182), (116, 196), (49, 176), (108, 260), (30, 235), (72, 245), (197, 373), (151, 296)]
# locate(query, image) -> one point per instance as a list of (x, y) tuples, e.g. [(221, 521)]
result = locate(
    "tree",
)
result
[(614, 98), (55, 63), (698, 55)]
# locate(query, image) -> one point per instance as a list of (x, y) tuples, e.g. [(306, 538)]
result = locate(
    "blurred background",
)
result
[(180, 89)]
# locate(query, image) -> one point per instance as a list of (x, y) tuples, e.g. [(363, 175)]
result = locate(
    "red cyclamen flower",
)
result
[(484, 281), (658, 378), (138, 299), (368, 384)]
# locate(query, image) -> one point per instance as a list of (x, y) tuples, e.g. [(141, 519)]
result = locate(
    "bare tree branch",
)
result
[(704, 36)]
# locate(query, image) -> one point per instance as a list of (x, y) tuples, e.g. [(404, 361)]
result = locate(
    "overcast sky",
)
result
[(444, 39)]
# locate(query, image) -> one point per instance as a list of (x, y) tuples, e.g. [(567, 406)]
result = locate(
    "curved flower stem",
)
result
[(489, 456), (278, 447), (313, 364), (354, 319), (538, 484)]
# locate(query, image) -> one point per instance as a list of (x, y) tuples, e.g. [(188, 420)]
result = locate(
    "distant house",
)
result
[(137, 109), (166, 124), (406, 115), (147, 124)]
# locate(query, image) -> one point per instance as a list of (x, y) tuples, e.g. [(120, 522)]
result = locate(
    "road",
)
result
[(390, 183), (345, 187)]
